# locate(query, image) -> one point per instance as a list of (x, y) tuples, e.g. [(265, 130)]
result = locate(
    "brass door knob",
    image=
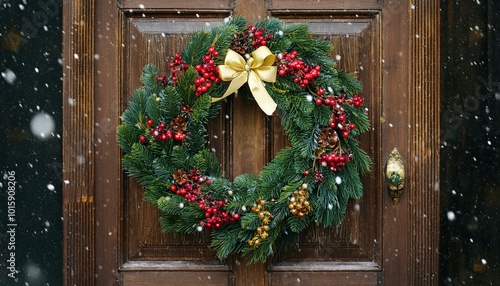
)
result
[(395, 175)]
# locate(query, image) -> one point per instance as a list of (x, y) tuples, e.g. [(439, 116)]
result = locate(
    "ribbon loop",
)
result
[(259, 67)]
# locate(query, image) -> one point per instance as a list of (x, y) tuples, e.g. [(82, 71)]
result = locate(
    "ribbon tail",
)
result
[(236, 83), (259, 92)]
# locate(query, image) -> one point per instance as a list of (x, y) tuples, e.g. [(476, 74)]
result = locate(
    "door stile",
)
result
[(107, 107)]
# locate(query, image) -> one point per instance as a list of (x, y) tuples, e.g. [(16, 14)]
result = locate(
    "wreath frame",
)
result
[(164, 139)]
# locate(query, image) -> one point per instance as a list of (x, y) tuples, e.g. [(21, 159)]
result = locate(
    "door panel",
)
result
[(155, 40), (317, 258), (354, 38)]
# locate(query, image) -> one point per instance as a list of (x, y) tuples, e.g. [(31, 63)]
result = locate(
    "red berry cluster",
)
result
[(304, 74), (163, 79), (356, 101), (177, 65), (207, 72), (188, 184), (335, 160), (259, 37), (339, 116), (334, 100), (318, 176), (162, 133), (215, 215)]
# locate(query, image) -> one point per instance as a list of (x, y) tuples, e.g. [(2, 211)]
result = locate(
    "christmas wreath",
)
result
[(164, 137)]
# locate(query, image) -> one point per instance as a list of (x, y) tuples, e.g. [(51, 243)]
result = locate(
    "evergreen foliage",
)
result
[(263, 202)]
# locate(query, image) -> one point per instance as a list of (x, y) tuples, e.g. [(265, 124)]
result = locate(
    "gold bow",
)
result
[(256, 69)]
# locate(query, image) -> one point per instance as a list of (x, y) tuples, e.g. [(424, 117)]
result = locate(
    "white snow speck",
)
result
[(42, 125), (66, 182), (338, 180), (483, 261), (33, 272), (330, 206), (141, 6), (309, 97), (9, 76), (51, 187), (181, 205), (80, 160), (199, 228), (338, 57), (76, 56), (451, 216)]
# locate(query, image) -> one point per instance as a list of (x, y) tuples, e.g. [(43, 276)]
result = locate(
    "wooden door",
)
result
[(112, 235)]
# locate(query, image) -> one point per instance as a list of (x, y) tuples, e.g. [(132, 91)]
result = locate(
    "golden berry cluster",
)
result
[(265, 217), (299, 205)]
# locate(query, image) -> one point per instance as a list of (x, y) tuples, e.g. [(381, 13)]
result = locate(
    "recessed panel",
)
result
[(356, 48), (155, 40)]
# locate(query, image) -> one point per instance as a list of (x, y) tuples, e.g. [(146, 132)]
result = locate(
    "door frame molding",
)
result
[(92, 176)]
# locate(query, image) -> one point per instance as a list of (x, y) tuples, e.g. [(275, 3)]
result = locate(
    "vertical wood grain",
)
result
[(423, 161), (78, 147)]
